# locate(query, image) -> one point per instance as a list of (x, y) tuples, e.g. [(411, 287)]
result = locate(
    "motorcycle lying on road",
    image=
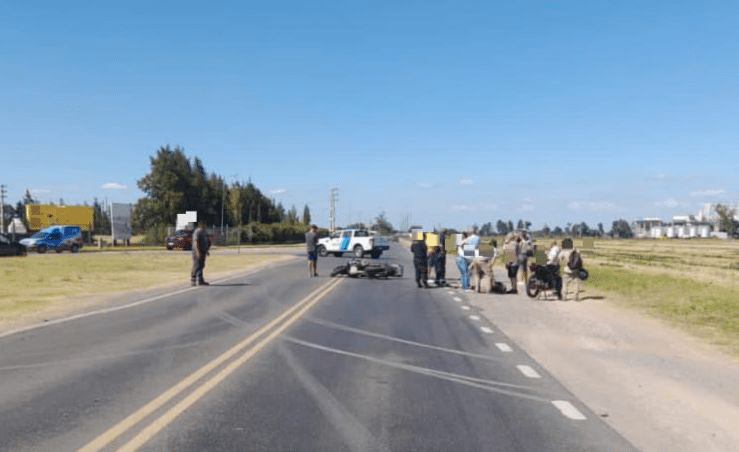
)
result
[(362, 268)]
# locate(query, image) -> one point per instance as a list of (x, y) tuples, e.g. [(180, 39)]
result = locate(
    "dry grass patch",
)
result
[(32, 284), (690, 283)]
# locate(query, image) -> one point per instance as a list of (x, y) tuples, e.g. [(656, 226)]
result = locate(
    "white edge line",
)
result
[(568, 410), (486, 330), (457, 299), (528, 371), (475, 318), (466, 308), (504, 347)]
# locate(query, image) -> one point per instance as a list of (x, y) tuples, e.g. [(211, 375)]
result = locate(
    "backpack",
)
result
[(575, 261)]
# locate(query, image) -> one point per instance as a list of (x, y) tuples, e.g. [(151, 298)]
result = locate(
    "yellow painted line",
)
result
[(296, 311)]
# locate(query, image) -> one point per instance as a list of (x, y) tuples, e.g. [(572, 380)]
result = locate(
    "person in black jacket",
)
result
[(420, 261), (200, 247)]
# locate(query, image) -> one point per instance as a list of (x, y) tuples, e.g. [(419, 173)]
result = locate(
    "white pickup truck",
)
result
[(356, 241)]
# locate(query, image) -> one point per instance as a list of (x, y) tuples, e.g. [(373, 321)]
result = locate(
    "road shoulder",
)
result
[(659, 387)]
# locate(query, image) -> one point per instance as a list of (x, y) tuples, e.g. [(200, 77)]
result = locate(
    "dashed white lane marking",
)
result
[(568, 410), (485, 329), (528, 371), (457, 299), (476, 318), (466, 308), (503, 347), (450, 292)]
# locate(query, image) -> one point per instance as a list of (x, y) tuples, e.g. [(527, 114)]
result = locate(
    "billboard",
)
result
[(120, 221), (39, 216)]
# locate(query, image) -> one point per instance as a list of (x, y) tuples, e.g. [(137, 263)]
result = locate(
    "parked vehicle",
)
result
[(182, 239), (11, 248), (57, 238), (362, 268), (356, 241), (540, 280)]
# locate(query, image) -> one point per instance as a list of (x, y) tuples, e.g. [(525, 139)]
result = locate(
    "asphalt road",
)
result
[(277, 361)]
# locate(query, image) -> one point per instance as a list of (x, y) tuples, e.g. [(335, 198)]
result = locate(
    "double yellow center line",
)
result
[(235, 357)]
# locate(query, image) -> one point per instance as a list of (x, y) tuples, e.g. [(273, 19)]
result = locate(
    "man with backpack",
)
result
[(572, 263)]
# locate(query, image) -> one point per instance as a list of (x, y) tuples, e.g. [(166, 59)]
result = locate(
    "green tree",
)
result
[(292, 215), (167, 187), (486, 229), (306, 215), (383, 225), (726, 219), (621, 229), (101, 217)]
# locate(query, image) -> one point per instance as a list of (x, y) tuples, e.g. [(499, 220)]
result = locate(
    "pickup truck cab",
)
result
[(356, 241)]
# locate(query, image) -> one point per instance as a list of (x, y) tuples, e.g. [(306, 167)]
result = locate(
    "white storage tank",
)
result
[(670, 232), (657, 232)]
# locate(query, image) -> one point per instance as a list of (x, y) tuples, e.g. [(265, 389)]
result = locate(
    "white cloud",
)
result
[(670, 202), (466, 181), (708, 192), (592, 206), (462, 207), (279, 191), (424, 185), (114, 186), (39, 191)]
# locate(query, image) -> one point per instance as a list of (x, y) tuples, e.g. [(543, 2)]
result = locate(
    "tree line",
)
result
[(175, 184)]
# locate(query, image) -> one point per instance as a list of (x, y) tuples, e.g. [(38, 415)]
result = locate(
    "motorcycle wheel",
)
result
[(341, 269), (532, 288)]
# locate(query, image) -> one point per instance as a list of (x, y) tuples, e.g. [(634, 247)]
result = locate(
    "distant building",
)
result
[(681, 226)]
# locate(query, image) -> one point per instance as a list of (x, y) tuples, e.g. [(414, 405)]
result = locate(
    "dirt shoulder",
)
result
[(659, 387)]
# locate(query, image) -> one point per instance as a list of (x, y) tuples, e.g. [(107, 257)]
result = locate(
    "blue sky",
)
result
[(438, 113)]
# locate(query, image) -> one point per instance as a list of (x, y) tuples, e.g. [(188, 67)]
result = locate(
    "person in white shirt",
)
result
[(553, 267)]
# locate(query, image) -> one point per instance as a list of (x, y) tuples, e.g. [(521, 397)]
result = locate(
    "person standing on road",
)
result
[(420, 261), (311, 242), (510, 251), (571, 272), (525, 248), (441, 263), (470, 243), (200, 248), (553, 269)]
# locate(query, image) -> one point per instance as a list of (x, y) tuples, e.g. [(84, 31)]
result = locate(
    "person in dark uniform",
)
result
[(420, 261), (200, 247), (441, 262)]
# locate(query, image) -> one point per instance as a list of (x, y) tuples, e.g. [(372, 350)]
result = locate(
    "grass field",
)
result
[(692, 284), (35, 283)]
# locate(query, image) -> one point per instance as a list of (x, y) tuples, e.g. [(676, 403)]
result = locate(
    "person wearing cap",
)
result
[(570, 275), (311, 242), (510, 251), (419, 250), (200, 248)]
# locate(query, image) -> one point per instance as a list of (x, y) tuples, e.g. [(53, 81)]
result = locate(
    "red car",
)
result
[(183, 239)]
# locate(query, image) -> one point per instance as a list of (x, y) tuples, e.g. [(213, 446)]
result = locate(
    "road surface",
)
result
[(276, 361)]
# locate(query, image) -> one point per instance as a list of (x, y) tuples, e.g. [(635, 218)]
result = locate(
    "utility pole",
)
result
[(2, 207), (332, 197)]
